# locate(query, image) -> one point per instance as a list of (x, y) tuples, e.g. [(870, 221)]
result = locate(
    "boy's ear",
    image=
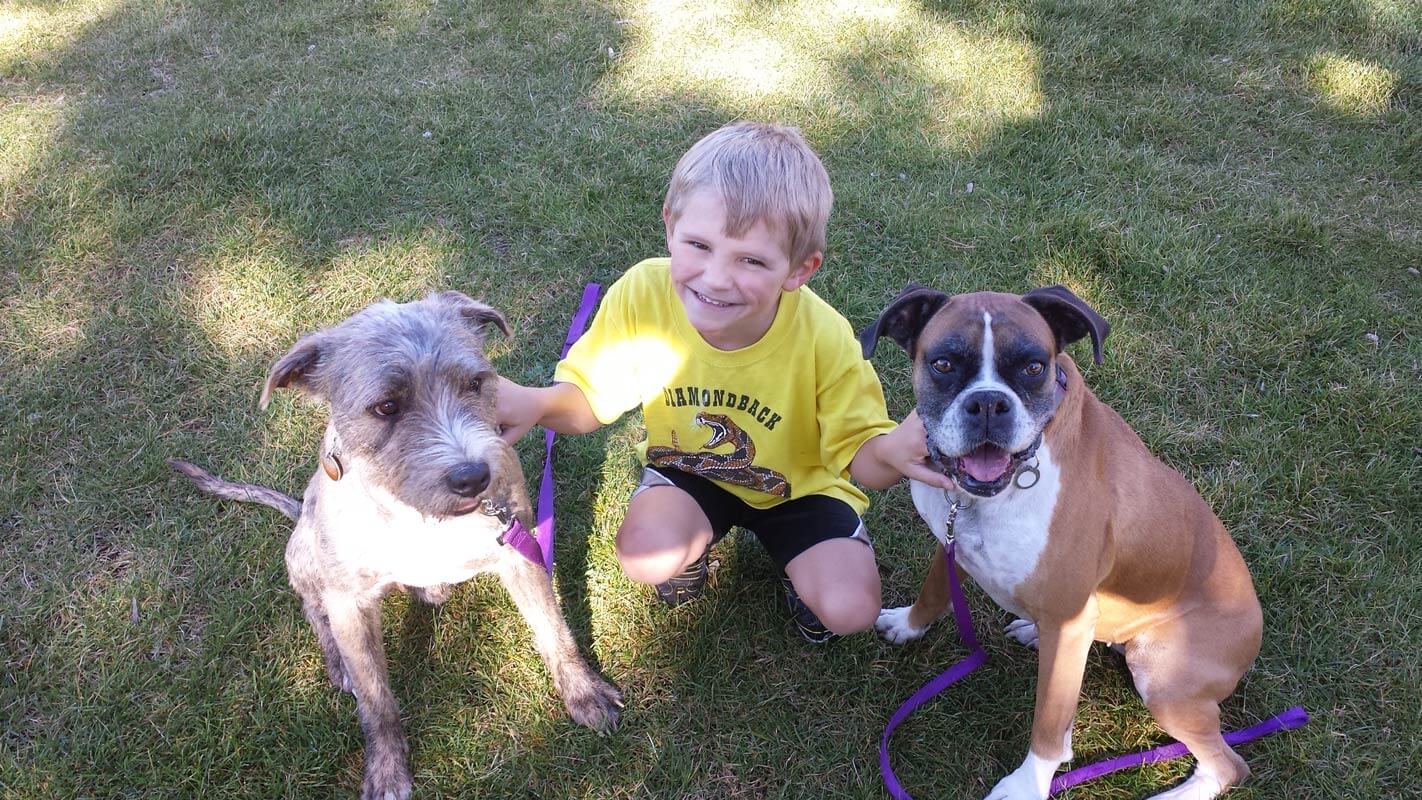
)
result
[(903, 319), (801, 274), (1069, 317)]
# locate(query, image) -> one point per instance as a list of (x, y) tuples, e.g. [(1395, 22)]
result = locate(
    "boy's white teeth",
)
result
[(708, 300)]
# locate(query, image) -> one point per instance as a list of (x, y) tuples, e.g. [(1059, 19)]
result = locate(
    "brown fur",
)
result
[(1133, 554)]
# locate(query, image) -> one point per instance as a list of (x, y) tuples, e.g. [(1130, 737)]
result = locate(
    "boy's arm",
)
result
[(901, 453), (562, 408), (851, 410)]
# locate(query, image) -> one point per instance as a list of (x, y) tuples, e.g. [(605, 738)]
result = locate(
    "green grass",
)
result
[(185, 187)]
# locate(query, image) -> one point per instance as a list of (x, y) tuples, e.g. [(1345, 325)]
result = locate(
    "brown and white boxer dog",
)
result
[(1067, 521)]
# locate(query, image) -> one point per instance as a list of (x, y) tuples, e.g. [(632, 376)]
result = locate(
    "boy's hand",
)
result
[(908, 453), (900, 453), (561, 408), (517, 410)]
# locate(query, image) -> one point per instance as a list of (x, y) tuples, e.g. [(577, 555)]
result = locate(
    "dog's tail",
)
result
[(244, 492)]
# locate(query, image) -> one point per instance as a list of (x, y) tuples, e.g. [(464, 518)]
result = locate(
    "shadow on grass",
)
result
[(223, 180)]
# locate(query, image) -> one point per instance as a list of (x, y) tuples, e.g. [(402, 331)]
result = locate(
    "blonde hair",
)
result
[(763, 173)]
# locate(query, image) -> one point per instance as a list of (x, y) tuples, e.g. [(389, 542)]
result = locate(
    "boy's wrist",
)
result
[(896, 450)]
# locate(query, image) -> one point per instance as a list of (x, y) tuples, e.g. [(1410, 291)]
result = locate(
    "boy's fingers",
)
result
[(512, 433), (924, 474)]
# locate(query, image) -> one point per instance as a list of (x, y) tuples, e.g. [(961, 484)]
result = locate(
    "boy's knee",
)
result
[(645, 557), (649, 568), (847, 610)]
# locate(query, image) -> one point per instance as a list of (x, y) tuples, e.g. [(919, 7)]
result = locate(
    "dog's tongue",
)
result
[(987, 463)]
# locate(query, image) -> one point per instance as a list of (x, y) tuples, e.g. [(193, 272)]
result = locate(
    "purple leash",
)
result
[(938, 684), (1288, 720), (538, 546)]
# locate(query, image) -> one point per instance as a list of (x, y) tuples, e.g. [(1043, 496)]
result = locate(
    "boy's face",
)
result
[(730, 286)]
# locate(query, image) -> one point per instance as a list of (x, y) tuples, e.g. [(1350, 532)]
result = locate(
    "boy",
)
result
[(758, 403)]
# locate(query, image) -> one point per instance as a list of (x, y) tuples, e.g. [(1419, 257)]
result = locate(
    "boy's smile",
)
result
[(729, 285)]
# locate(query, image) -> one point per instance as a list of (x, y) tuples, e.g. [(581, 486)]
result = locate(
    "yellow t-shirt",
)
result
[(779, 419)]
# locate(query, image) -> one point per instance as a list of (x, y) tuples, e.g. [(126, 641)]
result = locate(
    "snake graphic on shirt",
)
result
[(734, 467)]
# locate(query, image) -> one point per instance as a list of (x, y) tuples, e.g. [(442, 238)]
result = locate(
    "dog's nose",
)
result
[(468, 479), (986, 404)]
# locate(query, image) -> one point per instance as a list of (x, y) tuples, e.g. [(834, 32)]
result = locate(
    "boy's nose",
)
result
[(717, 274)]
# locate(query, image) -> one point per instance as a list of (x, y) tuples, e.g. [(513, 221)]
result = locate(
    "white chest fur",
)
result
[(370, 530), (1000, 539)]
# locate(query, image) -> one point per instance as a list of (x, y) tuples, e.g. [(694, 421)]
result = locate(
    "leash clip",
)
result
[(500, 512), (958, 505)]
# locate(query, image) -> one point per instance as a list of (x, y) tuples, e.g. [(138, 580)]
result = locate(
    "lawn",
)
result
[(188, 185)]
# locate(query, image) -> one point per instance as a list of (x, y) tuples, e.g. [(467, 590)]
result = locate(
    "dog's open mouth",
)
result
[(986, 463), (984, 471)]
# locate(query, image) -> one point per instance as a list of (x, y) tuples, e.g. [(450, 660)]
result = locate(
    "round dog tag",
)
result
[(1022, 472)]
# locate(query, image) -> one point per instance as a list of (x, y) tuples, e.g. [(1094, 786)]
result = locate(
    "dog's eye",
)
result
[(386, 408), (942, 366), (1034, 369), (474, 385)]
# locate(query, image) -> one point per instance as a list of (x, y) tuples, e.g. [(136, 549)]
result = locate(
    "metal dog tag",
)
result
[(1024, 470)]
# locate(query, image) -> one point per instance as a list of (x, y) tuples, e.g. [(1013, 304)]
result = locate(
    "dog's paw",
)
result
[(1023, 631), (893, 624), (387, 781), (1020, 784), (1199, 786), (591, 701)]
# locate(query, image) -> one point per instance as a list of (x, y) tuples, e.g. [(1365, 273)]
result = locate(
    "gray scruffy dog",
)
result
[(414, 492)]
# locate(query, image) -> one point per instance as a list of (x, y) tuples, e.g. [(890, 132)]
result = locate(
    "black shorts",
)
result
[(785, 530)]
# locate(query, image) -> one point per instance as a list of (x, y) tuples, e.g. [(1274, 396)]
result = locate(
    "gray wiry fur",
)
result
[(411, 464)]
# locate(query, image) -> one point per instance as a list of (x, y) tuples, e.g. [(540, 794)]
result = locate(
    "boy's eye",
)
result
[(698, 245), (755, 262)]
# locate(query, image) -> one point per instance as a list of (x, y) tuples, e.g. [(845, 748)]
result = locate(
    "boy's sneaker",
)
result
[(808, 624), (685, 586)]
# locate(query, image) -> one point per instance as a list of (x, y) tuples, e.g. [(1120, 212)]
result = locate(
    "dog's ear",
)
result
[(1069, 317), (476, 313), (298, 368), (903, 319)]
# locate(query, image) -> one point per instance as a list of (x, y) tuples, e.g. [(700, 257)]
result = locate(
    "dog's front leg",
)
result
[(355, 623), (590, 700), (1061, 663), (906, 623)]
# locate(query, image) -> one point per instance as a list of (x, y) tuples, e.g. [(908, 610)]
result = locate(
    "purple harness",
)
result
[(1288, 720), (538, 546)]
